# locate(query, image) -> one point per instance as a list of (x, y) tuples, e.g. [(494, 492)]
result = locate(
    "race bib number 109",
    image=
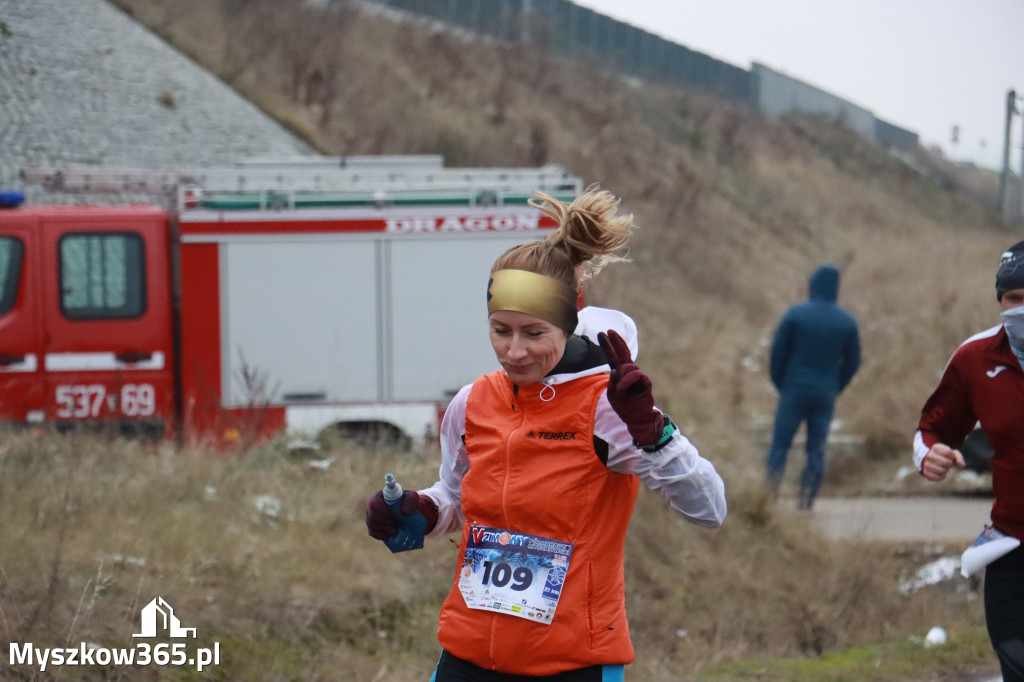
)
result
[(513, 573)]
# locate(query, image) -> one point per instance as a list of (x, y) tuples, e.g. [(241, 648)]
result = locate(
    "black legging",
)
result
[(1004, 612), (453, 669)]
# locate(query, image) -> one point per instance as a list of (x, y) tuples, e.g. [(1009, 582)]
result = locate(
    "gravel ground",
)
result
[(81, 82)]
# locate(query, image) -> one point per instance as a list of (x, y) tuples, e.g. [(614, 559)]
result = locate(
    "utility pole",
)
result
[(1004, 177), (1018, 197)]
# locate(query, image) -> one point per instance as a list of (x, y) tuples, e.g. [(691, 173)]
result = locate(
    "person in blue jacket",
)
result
[(814, 355)]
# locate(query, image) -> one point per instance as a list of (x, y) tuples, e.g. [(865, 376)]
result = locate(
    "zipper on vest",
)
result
[(515, 392)]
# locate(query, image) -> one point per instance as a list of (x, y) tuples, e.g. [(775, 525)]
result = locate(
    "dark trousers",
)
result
[(815, 409), (453, 669), (1004, 612)]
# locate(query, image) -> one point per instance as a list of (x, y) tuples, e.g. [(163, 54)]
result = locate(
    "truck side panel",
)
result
[(438, 312), (347, 314), (300, 320)]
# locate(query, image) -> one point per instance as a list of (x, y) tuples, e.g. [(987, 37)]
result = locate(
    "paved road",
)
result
[(926, 519), (956, 520)]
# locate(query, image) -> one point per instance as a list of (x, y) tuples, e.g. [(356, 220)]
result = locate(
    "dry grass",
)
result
[(294, 589), (93, 529), (734, 213)]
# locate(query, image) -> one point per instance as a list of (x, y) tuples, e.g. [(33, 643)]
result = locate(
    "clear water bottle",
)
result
[(411, 527)]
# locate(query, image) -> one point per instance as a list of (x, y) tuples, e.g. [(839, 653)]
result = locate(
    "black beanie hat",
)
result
[(1011, 270)]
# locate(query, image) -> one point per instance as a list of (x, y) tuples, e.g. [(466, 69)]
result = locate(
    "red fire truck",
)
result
[(292, 294)]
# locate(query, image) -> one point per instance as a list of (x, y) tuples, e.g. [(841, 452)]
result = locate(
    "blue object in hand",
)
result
[(412, 527)]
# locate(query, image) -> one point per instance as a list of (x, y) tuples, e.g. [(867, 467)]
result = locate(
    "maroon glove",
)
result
[(381, 523), (630, 391)]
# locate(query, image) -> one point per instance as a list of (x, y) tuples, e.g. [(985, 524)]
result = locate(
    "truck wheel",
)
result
[(374, 435)]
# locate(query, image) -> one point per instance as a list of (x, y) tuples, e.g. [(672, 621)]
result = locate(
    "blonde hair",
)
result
[(590, 235)]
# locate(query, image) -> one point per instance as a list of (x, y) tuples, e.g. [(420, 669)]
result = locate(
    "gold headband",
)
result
[(533, 294)]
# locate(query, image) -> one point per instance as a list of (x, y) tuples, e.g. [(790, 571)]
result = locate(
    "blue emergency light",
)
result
[(11, 199)]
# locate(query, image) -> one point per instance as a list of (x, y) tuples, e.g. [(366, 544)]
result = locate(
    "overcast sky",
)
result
[(924, 65)]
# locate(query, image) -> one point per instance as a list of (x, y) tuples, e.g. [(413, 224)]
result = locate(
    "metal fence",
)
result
[(572, 30)]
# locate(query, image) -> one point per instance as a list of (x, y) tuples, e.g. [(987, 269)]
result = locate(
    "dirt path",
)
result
[(926, 519)]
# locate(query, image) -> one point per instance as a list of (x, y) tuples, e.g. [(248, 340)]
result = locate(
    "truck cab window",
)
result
[(12, 251), (102, 276)]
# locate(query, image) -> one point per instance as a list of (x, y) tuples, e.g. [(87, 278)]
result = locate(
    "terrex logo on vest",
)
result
[(500, 223), (552, 435)]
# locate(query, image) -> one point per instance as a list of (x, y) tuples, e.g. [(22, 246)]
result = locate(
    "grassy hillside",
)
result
[(734, 212)]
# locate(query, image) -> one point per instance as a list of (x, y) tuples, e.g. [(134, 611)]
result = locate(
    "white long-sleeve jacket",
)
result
[(676, 472)]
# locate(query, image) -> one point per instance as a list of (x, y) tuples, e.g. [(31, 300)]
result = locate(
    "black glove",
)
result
[(630, 392)]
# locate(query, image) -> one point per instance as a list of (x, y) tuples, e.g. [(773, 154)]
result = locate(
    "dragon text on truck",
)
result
[(291, 294)]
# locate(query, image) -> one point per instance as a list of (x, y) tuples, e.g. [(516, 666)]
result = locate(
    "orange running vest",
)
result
[(533, 469)]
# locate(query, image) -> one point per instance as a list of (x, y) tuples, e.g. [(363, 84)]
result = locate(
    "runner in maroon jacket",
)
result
[(984, 381)]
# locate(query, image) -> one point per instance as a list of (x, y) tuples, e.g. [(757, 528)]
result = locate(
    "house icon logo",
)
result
[(159, 610)]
